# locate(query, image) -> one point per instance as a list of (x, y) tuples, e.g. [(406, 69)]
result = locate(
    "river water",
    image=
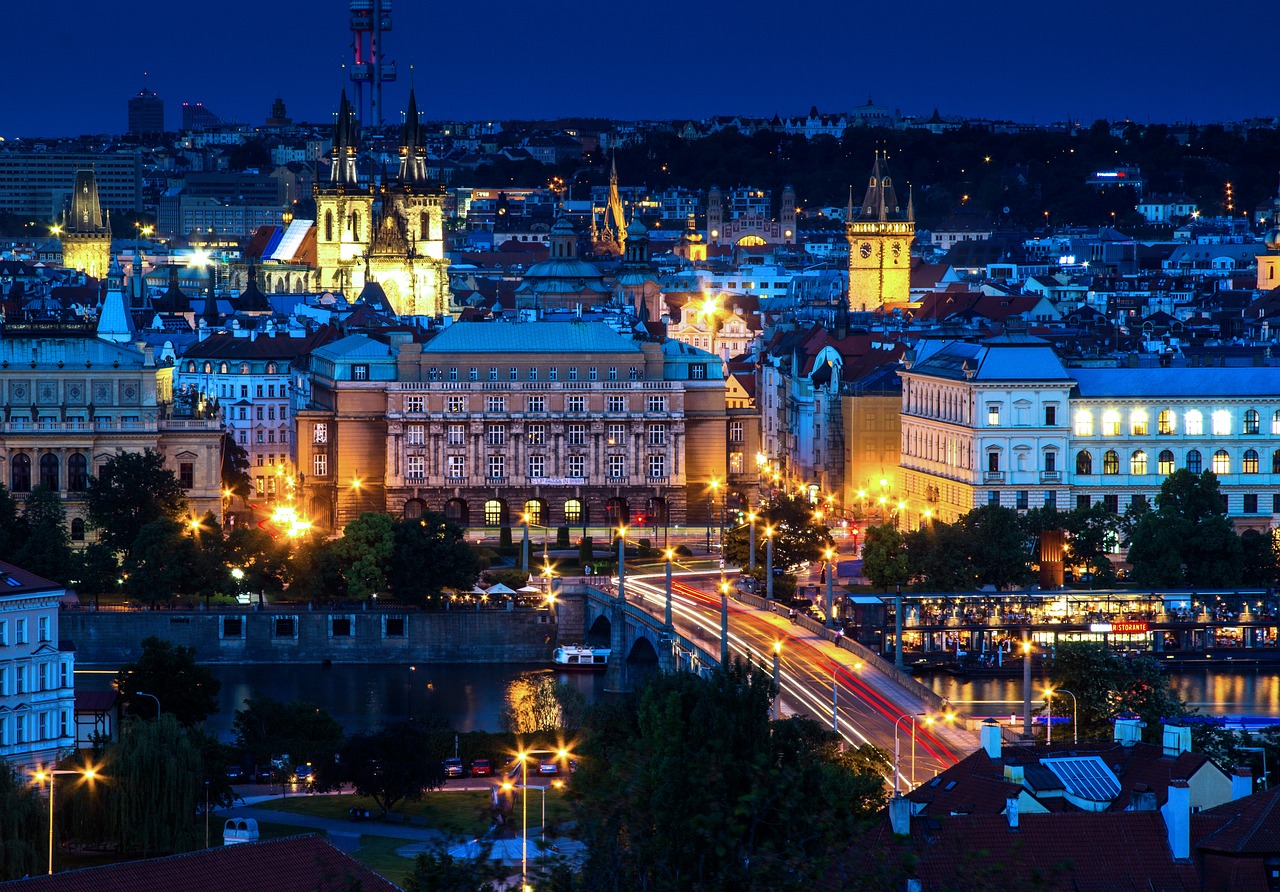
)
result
[(469, 697)]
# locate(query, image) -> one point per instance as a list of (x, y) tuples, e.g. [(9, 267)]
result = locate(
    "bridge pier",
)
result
[(615, 677)]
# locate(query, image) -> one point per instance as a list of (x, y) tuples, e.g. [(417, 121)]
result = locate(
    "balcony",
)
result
[(496, 481), (1050, 476), (993, 477)]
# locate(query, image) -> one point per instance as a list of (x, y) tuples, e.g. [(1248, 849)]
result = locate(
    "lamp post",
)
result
[(622, 563), (49, 774), (1075, 713), (831, 622), (768, 562), (560, 754), (412, 671), (524, 543), (751, 531), (777, 680), (897, 771), (1026, 685), (152, 696), (724, 622), (666, 617)]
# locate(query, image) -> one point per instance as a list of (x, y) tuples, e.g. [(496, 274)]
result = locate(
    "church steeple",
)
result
[(346, 138), (881, 201), (86, 230), (413, 162), (880, 238)]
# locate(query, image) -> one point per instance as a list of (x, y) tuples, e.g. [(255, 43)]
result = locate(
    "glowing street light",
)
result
[(48, 774)]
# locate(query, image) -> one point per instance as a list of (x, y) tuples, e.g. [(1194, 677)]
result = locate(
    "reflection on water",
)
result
[(467, 697), (1212, 691)]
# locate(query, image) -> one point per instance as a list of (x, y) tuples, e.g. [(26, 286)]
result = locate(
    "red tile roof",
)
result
[(293, 864)]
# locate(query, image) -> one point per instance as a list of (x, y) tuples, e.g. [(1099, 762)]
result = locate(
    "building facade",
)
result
[(880, 236), (39, 184), (37, 687), (85, 231)]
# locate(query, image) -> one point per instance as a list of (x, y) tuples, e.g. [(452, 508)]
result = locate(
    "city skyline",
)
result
[(1027, 64)]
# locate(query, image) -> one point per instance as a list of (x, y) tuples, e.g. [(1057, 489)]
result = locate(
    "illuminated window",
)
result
[(415, 435), (1111, 462), (1249, 463), (320, 465), (1275, 423), (1084, 462), (1252, 422), (1165, 422), (1138, 423), (1084, 423), (1221, 423), (993, 416), (1221, 462), (1164, 462), (493, 512), (536, 434), (1111, 423), (1194, 462), (1194, 424), (1138, 463), (572, 511)]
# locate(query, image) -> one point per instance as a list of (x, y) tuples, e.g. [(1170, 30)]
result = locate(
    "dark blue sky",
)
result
[(69, 67)]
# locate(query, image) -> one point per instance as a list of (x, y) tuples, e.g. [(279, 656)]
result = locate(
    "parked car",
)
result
[(481, 768), (453, 768), (263, 776), (304, 774), (235, 772), (549, 765)]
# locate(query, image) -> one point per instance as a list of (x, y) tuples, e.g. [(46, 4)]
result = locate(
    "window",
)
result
[(1221, 423), (591, 373), (657, 434), (20, 473), (186, 474), (1112, 503), (1083, 502), (415, 434), (497, 466), (1165, 422), (257, 391), (1252, 422), (575, 403), (22, 631), (1193, 422), (456, 435), (1164, 463), (457, 404), (77, 472), (456, 466), (1251, 503), (77, 529), (1275, 423), (496, 404), (573, 373), (1111, 462), (1051, 461), (259, 412), (553, 374), (735, 431), (1138, 502), (395, 627), (320, 433), (493, 373), (617, 434), (1138, 423), (1050, 416), (1084, 423), (537, 465), (614, 403), (536, 434), (1111, 423), (697, 371), (1275, 463), (473, 374), (993, 498), (572, 511), (49, 476), (536, 404), (514, 374), (495, 435), (993, 416), (1194, 464), (1275, 503), (1221, 462), (1249, 463), (320, 465), (657, 465), (453, 373), (656, 404), (577, 466), (617, 466), (993, 462), (577, 435), (42, 630), (359, 373), (736, 463), (1020, 500), (1084, 462), (414, 403), (613, 374), (533, 373), (415, 466), (1138, 463)]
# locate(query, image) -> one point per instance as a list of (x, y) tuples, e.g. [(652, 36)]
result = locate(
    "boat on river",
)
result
[(581, 656)]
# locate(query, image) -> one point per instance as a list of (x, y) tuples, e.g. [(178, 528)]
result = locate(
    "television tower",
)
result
[(372, 18)]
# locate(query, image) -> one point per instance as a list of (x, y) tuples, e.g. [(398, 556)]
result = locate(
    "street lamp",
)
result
[(560, 754), (49, 774), (830, 553), (1075, 713), (711, 501), (724, 622), (667, 615), (622, 562), (897, 771), (152, 696), (751, 521), (777, 680), (768, 562)]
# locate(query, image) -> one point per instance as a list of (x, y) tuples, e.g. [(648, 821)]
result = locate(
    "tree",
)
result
[(318, 567), (47, 549), (186, 691), (1260, 558), (1106, 685), (999, 546), (541, 703), (133, 490), (797, 535), (390, 765), (367, 546), (235, 467), (159, 563), (22, 825), (1092, 531), (1188, 539), (439, 871), (97, 569), (10, 536), (264, 560), (884, 556), (156, 784), (268, 728), (938, 556), (430, 555), (770, 808)]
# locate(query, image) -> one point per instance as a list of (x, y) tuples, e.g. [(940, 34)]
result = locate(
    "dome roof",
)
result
[(563, 268), (1273, 239), (636, 230)]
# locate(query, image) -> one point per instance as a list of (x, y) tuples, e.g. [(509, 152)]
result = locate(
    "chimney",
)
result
[(1177, 819), (1011, 810), (1177, 740), (1241, 782), (989, 736), (900, 815), (1128, 731)]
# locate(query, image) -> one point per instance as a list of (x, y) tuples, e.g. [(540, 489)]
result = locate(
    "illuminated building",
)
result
[(748, 222), (880, 237), (85, 231)]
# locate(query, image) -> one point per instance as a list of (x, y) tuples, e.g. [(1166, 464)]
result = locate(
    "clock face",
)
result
[(865, 250), (897, 249)]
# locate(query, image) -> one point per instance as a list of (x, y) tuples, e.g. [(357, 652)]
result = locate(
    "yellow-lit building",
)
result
[(880, 237), (85, 230)]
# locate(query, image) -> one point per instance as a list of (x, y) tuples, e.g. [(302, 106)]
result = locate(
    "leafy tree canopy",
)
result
[(133, 490), (187, 691), (390, 765), (267, 728), (430, 555)]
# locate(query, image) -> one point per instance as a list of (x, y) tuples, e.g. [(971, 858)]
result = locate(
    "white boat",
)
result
[(581, 656)]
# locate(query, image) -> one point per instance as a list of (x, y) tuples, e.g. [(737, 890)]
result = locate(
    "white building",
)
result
[(37, 690)]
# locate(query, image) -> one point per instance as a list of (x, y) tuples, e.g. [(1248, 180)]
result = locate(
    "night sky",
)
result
[(69, 67)]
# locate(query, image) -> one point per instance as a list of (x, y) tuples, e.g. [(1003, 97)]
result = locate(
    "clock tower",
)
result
[(880, 237)]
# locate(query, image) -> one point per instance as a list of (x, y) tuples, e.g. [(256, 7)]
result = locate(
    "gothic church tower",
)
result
[(344, 211), (86, 232), (880, 237)]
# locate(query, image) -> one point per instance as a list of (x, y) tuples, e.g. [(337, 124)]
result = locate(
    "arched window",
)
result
[(533, 513), (1164, 462), (1221, 462), (413, 509), (1275, 423), (20, 473), (1138, 463), (244, 368), (208, 368), (1252, 422), (1111, 462), (1138, 423), (49, 471), (222, 369), (1084, 462), (1222, 423), (1111, 423), (1084, 423), (1275, 462), (77, 529), (493, 511), (424, 226), (355, 225), (1194, 463), (191, 368), (455, 512), (1193, 422), (1165, 422), (573, 510), (271, 368), (1249, 464)]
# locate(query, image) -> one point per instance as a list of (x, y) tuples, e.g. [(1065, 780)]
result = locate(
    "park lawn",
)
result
[(462, 813), (379, 853)]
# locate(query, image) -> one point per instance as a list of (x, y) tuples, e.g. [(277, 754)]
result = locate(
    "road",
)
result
[(813, 672)]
